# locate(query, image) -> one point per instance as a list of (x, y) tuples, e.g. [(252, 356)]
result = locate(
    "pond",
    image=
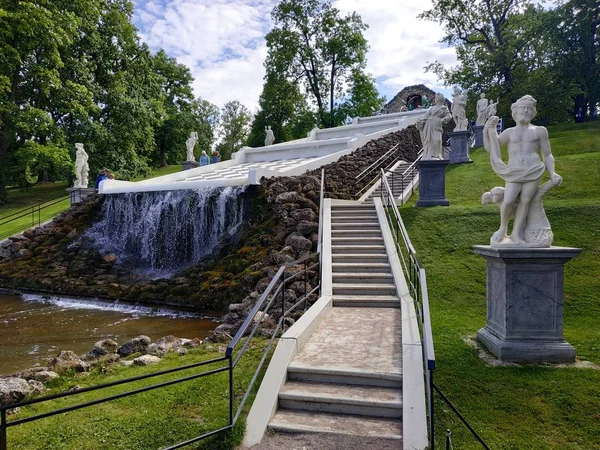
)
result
[(35, 328)]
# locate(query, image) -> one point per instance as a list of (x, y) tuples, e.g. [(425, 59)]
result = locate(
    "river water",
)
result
[(34, 329)]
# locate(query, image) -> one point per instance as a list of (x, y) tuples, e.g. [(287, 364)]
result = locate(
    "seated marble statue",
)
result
[(430, 128), (481, 106), (459, 104), (189, 146), (521, 198)]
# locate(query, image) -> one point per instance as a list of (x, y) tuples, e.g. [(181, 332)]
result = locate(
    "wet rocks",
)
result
[(146, 360), (136, 345), (13, 390), (67, 360)]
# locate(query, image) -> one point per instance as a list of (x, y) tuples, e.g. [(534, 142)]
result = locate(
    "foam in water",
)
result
[(72, 303), (164, 232)]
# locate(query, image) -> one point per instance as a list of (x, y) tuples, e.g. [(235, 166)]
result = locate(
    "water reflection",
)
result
[(34, 329)]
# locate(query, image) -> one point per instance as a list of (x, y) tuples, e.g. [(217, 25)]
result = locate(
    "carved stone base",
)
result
[(79, 194), (190, 165), (459, 147), (432, 182), (478, 135), (525, 303)]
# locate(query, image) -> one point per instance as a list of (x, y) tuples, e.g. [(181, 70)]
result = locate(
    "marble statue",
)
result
[(270, 137), (82, 168), (190, 144), (482, 105), (521, 198), (459, 104), (491, 110), (430, 128)]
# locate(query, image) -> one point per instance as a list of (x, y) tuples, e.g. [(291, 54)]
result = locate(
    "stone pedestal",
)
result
[(478, 135), (459, 147), (525, 303), (432, 182), (190, 165), (79, 194)]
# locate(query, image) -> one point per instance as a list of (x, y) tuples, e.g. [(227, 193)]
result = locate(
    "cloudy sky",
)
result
[(222, 42)]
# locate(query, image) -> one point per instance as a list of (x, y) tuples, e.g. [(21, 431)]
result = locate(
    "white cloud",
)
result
[(222, 42)]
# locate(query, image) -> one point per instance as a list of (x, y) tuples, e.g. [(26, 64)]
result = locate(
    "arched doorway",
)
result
[(413, 102)]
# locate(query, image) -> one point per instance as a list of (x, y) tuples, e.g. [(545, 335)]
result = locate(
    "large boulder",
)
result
[(136, 345), (13, 390), (298, 242), (103, 348), (164, 345), (67, 360), (146, 360), (36, 373)]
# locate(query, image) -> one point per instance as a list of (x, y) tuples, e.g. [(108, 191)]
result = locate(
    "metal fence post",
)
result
[(3, 443), (283, 301), (448, 439), (305, 284), (230, 390)]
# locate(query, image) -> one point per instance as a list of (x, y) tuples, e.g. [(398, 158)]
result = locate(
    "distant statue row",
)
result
[(485, 110)]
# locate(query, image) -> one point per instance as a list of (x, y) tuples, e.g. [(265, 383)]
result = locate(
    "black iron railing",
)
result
[(33, 215), (414, 271), (273, 298), (371, 173)]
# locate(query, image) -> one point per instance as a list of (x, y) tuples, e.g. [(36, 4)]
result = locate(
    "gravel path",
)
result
[(323, 441)]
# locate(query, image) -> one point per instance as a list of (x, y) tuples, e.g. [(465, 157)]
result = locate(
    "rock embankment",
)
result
[(33, 381)]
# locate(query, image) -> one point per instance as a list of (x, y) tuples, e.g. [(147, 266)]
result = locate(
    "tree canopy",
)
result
[(508, 48)]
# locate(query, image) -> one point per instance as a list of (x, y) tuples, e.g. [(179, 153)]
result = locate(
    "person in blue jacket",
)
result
[(103, 175), (215, 157), (204, 160)]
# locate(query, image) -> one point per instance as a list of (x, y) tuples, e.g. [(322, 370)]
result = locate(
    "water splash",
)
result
[(164, 232), (73, 303)]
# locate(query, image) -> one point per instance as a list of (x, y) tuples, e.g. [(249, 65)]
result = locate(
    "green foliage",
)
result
[(364, 100), (509, 48), (235, 124), (312, 44)]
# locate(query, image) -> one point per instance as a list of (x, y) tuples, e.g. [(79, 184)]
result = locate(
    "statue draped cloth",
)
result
[(431, 131), (508, 173)]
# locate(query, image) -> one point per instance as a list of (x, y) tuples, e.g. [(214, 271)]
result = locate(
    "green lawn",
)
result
[(46, 193), (150, 420), (530, 406)]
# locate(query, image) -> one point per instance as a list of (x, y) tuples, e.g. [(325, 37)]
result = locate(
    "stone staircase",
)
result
[(396, 186), (347, 378)]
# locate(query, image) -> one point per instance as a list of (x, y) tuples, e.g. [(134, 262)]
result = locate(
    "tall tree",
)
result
[(364, 100), (235, 126), (311, 43)]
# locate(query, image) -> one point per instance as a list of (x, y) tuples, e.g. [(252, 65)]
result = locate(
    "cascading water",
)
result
[(164, 232)]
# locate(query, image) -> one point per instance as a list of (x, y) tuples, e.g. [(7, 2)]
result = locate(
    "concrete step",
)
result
[(369, 301), (356, 377), (371, 249), (366, 258), (362, 277), (342, 398), (352, 219), (355, 212), (314, 422), (364, 289), (356, 226), (357, 240), (375, 232), (365, 266)]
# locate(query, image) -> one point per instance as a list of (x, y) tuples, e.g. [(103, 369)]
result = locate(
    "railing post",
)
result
[(305, 284), (283, 301), (448, 439), (230, 390), (3, 443), (430, 401)]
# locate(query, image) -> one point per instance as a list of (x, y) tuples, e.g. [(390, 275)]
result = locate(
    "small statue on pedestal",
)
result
[(190, 144), (521, 198), (270, 137), (81, 167), (430, 128), (459, 115), (482, 105)]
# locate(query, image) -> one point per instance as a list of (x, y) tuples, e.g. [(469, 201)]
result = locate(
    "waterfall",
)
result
[(163, 232)]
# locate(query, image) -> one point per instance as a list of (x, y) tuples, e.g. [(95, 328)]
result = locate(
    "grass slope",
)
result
[(532, 406), (150, 420)]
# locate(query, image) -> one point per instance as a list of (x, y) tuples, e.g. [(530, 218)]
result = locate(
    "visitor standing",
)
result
[(204, 160), (103, 175), (216, 157)]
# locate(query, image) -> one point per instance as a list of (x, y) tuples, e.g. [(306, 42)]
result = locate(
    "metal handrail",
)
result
[(417, 282), (35, 211), (409, 173), (377, 164)]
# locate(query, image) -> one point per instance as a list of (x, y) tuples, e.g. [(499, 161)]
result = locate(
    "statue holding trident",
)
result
[(522, 195)]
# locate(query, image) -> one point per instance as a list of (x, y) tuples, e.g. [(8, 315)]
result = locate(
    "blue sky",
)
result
[(222, 42)]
